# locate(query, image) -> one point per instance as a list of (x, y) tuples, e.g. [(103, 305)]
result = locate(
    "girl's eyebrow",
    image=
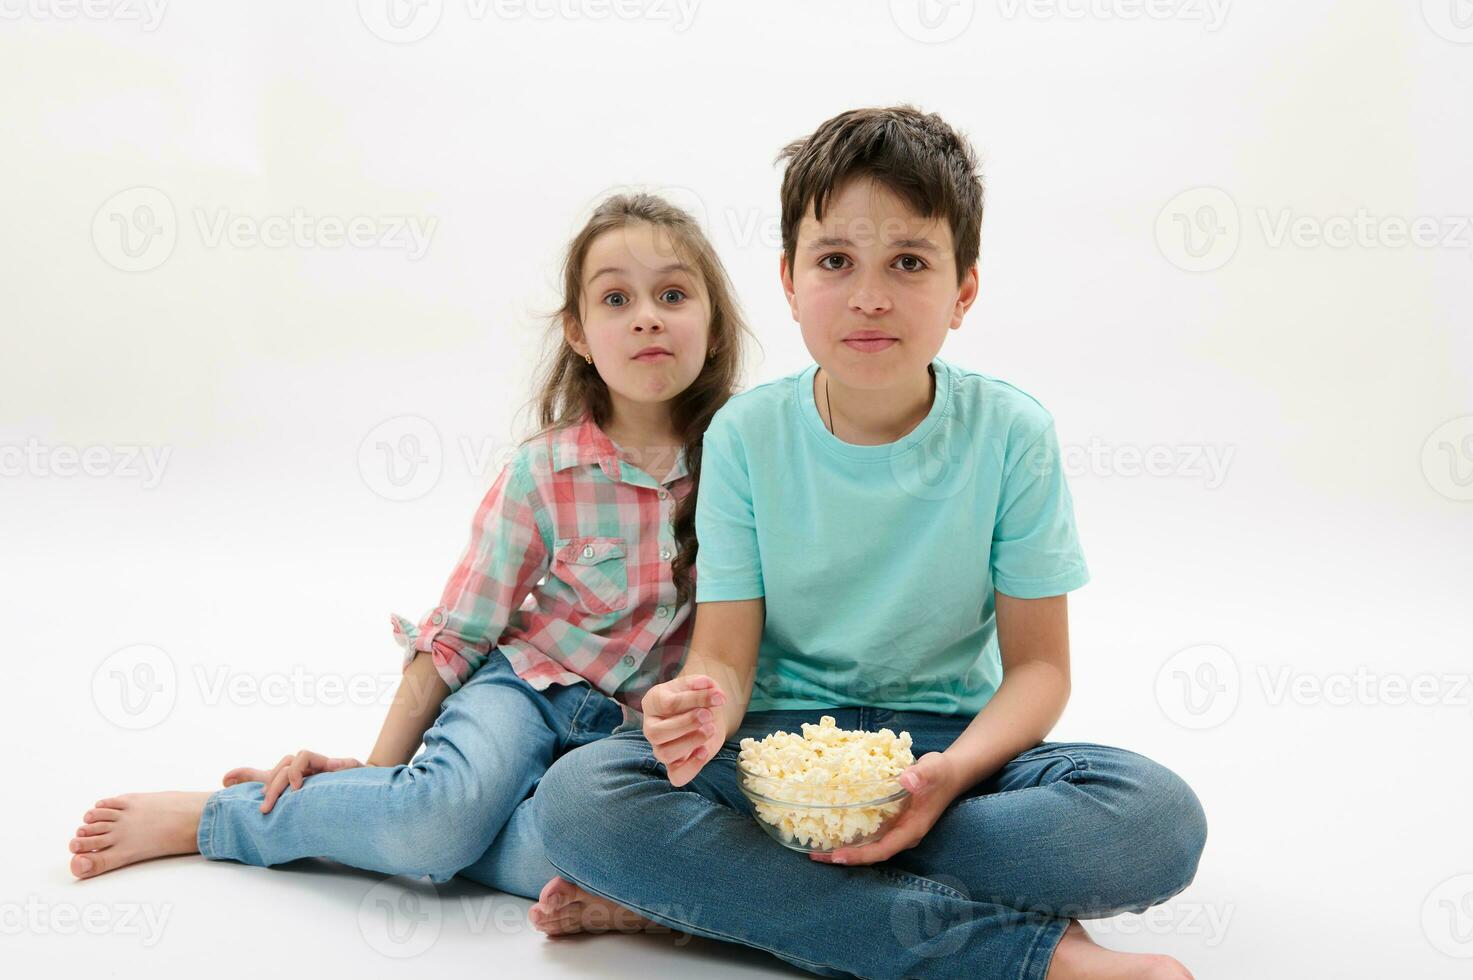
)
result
[(618, 270)]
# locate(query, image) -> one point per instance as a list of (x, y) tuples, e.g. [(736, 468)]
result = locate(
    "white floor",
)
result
[(1338, 832)]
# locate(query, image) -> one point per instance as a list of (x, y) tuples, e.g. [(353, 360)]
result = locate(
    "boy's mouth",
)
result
[(869, 341)]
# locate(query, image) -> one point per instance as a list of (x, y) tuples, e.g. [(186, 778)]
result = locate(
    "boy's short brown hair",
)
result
[(916, 155)]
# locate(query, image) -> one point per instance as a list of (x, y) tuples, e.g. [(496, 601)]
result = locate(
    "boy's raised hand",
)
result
[(684, 724)]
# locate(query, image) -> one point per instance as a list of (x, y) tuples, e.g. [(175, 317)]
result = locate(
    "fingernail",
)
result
[(86, 864), (708, 730), (703, 715)]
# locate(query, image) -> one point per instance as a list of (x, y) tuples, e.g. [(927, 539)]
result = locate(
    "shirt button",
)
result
[(588, 551), (664, 494), (662, 612), (665, 554), (628, 660), (437, 618)]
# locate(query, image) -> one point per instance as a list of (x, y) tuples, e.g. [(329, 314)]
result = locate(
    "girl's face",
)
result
[(646, 315)]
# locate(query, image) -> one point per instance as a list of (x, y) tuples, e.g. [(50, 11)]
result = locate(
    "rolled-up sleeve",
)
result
[(503, 562)]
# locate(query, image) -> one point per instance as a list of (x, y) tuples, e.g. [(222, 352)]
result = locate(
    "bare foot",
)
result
[(122, 830), (1079, 957), (563, 909)]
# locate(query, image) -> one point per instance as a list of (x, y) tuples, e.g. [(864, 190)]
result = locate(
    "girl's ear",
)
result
[(573, 333)]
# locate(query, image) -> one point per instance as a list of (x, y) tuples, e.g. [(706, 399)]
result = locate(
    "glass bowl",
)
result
[(804, 817)]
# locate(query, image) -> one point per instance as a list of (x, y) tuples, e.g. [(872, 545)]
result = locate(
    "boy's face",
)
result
[(874, 286)]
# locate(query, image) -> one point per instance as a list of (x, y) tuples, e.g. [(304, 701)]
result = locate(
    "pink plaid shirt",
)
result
[(567, 572)]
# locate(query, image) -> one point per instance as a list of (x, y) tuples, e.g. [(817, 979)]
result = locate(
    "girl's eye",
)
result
[(827, 262), (676, 293), (609, 300), (917, 265)]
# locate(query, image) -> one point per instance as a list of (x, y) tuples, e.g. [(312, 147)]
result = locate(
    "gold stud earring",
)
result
[(588, 358)]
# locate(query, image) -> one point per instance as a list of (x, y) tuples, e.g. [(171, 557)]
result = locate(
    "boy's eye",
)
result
[(677, 295), (833, 262), (610, 299), (910, 263)]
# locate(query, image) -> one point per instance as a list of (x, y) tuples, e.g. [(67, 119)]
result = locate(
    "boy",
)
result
[(886, 538)]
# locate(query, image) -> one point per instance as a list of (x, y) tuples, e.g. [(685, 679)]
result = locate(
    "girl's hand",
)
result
[(933, 783), (682, 724), (292, 770)]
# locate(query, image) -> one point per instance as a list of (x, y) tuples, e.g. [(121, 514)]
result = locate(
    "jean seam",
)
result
[(573, 728), (688, 927), (1078, 762), (207, 822), (1027, 972)]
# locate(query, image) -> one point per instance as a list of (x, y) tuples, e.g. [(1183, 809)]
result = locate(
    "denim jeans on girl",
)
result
[(1064, 830), (461, 806)]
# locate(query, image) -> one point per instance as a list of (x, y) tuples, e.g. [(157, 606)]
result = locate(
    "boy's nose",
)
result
[(869, 300)]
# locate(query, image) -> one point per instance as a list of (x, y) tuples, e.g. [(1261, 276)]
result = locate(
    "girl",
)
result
[(570, 602)]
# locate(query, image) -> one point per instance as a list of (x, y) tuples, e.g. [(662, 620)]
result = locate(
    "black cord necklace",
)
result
[(830, 405)]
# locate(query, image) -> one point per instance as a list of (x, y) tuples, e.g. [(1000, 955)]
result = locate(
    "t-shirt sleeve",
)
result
[(728, 566), (1035, 546)]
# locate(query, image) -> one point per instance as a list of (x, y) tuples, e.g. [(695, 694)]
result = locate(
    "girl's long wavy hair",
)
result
[(569, 387)]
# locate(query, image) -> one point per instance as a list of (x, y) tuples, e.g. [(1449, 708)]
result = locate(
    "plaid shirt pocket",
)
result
[(596, 569)]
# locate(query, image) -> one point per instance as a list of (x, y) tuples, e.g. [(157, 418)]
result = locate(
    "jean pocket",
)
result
[(596, 569)]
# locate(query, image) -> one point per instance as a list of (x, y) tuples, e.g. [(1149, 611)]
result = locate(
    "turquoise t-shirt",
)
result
[(878, 564)]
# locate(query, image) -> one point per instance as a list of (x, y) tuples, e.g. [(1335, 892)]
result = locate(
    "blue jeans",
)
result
[(462, 806), (1064, 830)]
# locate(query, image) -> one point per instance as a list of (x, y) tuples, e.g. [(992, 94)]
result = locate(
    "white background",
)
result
[(1256, 627)]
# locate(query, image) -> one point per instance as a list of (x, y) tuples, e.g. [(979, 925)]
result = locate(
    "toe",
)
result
[(88, 865), (99, 814), (96, 842), (114, 802)]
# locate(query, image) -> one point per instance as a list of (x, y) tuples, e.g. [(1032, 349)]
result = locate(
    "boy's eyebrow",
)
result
[(672, 267), (917, 244)]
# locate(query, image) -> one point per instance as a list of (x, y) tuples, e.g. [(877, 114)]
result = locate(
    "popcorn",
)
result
[(828, 766)]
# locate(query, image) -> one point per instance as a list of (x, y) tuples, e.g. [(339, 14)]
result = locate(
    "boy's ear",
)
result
[(966, 296), (786, 275)]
